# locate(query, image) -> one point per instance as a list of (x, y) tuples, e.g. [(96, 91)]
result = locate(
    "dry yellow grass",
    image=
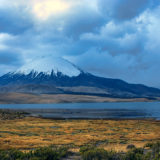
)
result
[(29, 133)]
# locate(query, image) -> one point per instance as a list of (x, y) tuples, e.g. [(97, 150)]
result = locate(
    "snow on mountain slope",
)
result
[(44, 75), (49, 64)]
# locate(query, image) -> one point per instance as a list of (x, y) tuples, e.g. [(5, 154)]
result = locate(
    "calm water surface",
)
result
[(93, 110)]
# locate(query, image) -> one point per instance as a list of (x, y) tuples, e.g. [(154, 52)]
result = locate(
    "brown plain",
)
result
[(24, 98)]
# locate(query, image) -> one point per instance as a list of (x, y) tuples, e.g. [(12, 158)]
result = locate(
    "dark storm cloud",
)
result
[(124, 9), (8, 57), (14, 21), (83, 20)]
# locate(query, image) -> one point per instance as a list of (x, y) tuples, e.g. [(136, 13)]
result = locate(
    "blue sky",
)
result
[(111, 38)]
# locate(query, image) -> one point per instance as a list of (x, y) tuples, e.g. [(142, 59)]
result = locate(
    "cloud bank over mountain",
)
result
[(118, 39)]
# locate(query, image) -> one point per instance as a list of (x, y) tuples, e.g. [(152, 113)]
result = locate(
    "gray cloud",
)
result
[(124, 9), (83, 20), (116, 39), (14, 21), (10, 58)]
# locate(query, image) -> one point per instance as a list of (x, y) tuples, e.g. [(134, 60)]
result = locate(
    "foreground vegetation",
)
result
[(6, 114), (151, 151), (28, 138), (45, 153)]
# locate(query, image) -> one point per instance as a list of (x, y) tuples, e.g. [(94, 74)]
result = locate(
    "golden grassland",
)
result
[(29, 133)]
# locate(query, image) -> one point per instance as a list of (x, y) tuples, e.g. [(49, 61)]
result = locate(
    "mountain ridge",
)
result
[(60, 83), (49, 81)]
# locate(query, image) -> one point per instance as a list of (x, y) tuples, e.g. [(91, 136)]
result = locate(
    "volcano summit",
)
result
[(59, 76)]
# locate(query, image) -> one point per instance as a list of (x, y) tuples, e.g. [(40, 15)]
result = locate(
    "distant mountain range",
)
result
[(59, 76)]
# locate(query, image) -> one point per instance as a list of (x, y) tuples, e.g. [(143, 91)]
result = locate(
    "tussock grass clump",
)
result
[(43, 153), (94, 153), (6, 114)]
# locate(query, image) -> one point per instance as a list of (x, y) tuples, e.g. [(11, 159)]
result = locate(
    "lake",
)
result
[(91, 110)]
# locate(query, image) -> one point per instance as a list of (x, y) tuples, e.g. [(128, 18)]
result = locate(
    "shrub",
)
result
[(131, 146), (134, 154), (43, 153), (50, 153), (93, 153), (12, 155), (155, 147)]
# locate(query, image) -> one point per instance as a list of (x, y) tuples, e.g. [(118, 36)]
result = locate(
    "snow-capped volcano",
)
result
[(49, 65), (48, 75)]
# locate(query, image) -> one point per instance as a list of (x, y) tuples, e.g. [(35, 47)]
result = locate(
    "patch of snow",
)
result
[(47, 65)]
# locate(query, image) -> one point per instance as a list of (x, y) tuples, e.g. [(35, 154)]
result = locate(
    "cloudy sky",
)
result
[(111, 38)]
